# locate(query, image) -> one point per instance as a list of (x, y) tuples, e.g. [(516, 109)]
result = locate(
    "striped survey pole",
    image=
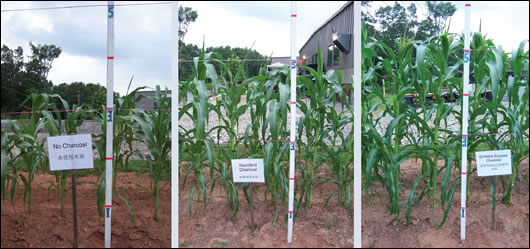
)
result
[(465, 116), (110, 130), (357, 124), (292, 136), (174, 127)]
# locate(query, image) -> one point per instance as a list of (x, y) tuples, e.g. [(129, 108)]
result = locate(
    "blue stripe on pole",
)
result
[(109, 115)]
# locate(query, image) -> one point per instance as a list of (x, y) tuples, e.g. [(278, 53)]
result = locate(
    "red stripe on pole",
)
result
[(463, 173), (109, 109), (464, 135), (290, 212), (293, 15), (110, 57), (466, 51), (468, 5), (108, 158), (293, 142), (108, 206), (466, 94), (291, 179), (293, 102)]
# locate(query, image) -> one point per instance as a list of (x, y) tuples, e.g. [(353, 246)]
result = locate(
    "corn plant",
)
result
[(386, 151), (433, 74), (322, 90), (32, 154), (517, 116), (154, 130), (197, 144), (4, 173)]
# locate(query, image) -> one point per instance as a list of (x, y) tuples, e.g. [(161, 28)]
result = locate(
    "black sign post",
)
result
[(252, 225), (74, 204)]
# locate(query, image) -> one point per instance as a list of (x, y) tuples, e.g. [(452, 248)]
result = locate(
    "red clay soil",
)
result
[(213, 227), (316, 227), (512, 221), (46, 228)]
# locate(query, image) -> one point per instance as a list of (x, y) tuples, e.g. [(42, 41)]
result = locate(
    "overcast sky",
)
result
[(142, 33)]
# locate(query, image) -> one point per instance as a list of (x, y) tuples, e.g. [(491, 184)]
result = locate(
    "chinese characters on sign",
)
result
[(71, 157)]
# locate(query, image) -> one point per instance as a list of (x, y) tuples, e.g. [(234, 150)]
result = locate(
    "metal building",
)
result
[(336, 45)]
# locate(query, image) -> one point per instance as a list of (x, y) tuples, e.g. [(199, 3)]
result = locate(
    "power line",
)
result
[(238, 60), (84, 6)]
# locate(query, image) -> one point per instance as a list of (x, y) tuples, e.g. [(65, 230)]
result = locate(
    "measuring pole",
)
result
[(110, 130), (465, 116), (174, 127), (357, 124), (293, 123)]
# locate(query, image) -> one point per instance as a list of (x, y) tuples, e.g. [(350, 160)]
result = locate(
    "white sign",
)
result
[(70, 152), (494, 163), (248, 170)]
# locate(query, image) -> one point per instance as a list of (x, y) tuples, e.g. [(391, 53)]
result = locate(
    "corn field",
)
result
[(426, 68), (325, 151)]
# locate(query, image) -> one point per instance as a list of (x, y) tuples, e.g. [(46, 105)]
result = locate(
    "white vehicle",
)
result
[(276, 66)]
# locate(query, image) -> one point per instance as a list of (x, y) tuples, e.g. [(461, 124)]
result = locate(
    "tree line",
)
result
[(397, 26)]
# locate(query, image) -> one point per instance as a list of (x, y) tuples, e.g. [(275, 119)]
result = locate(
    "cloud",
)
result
[(268, 23), (142, 33), (70, 68)]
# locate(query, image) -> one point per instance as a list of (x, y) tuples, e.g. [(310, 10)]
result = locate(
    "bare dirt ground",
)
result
[(512, 221), (213, 227), (46, 228)]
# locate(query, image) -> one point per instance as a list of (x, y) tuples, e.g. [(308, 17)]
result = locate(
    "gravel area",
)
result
[(245, 121), (452, 124)]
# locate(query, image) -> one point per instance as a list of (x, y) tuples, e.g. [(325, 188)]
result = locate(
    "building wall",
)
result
[(343, 23), (146, 103)]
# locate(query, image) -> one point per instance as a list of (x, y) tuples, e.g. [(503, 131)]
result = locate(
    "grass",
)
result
[(222, 244), (329, 224), (184, 245)]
